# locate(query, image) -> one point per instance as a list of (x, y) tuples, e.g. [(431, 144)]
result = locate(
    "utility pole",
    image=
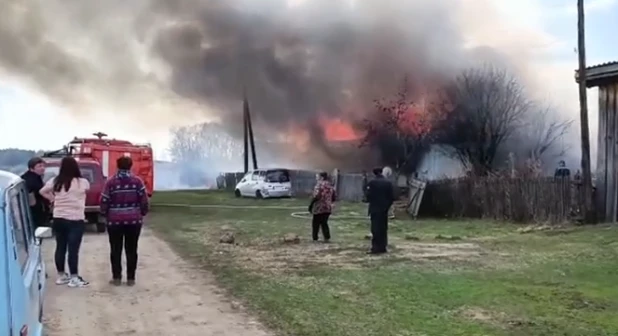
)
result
[(588, 209), (247, 113), (249, 140), (245, 140)]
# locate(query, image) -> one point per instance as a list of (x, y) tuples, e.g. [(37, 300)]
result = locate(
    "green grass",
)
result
[(493, 281)]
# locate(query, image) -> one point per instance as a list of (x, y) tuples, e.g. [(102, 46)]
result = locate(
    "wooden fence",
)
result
[(349, 186), (553, 200), (547, 200), (303, 181)]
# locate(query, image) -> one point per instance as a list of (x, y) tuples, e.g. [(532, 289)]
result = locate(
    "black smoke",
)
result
[(320, 57)]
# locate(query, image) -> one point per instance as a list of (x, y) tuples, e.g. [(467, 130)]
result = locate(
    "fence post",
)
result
[(335, 180)]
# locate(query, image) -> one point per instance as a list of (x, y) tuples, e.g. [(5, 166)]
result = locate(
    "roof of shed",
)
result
[(600, 74)]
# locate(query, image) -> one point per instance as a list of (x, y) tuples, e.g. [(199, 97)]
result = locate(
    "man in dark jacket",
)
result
[(562, 170), (39, 206), (380, 195)]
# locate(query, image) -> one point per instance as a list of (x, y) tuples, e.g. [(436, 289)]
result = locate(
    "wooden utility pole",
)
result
[(245, 141), (588, 209), (249, 126), (249, 140)]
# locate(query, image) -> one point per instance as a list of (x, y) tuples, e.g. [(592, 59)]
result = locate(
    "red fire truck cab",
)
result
[(97, 161)]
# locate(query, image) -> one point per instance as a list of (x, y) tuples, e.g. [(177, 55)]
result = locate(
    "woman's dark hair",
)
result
[(69, 170), (323, 175), (124, 163)]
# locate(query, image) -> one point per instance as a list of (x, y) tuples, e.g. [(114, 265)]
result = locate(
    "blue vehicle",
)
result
[(22, 271)]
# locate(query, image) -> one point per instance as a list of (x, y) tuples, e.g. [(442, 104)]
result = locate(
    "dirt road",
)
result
[(169, 299)]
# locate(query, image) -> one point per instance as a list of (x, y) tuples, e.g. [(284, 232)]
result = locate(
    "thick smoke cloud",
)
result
[(169, 61), (323, 56)]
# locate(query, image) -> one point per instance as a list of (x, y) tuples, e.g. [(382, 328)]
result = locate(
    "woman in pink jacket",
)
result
[(67, 192)]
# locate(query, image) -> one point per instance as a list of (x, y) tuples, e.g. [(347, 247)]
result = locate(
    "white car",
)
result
[(265, 183)]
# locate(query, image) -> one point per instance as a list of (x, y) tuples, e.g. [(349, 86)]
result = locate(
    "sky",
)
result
[(30, 120)]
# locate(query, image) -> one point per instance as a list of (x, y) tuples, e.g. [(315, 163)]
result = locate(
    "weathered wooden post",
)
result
[(605, 77), (335, 179), (416, 190)]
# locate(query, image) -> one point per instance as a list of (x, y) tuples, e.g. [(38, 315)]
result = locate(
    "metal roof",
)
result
[(600, 74), (602, 65), (7, 179)]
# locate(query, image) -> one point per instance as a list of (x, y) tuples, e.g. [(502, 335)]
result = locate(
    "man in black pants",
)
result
[(39, 206), (380, 195), (124, 203)]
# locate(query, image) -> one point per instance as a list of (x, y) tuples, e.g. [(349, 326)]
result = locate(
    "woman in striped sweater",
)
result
[(124, 203)]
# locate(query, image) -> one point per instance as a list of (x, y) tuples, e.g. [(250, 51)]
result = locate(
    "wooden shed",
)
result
[(605, 77)]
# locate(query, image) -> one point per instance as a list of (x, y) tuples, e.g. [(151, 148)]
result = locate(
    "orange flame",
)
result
[(416, 120), (337, 129)]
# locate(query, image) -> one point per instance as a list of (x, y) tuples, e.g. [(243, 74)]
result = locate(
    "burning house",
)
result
[(311, 69)]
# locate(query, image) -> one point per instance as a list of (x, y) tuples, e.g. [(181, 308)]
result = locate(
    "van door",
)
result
[(30, 263), (7, 255), (37, 266)]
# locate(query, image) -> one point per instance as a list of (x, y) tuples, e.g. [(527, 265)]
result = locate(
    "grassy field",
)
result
[(441, 278)]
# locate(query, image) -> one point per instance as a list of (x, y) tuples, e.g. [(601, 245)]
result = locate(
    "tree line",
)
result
[(16, 160)]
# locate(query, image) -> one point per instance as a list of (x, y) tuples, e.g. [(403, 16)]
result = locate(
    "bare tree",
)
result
[(401, 130), (542, 133), (486, 106), (203, 151)]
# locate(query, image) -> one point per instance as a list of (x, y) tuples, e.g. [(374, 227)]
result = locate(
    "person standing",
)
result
[(365, 182), (380, 195), (67, 192), (387, 172), (562, 170), (124, 203), (322, 206), (39, 205)]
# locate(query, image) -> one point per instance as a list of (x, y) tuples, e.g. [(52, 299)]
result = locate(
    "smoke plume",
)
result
[(169, 61)]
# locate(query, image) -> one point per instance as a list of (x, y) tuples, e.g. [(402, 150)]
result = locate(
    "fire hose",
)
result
[(298, 214)]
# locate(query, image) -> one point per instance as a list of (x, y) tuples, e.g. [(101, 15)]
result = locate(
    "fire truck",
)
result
[(97, 161)]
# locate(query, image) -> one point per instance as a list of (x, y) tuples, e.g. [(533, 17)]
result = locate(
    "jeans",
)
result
[(69, 234), (320, 221), (127, 236)]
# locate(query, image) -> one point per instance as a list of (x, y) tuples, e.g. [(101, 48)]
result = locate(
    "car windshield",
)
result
[(277, 176), (52, 171)]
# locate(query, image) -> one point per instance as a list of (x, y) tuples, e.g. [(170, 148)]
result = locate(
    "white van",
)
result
[(265, 183), (22, 270)]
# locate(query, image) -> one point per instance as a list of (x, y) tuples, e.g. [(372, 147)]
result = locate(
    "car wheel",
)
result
[(258, 194), (237, 193), (100, 227)]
